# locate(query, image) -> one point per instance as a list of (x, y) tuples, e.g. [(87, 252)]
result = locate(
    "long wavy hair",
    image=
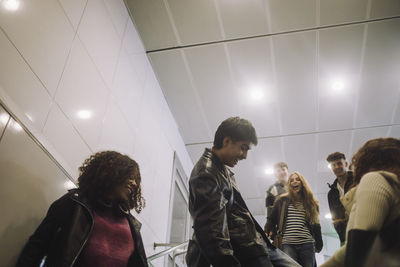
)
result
[(102, 172), (310, 204), (380, 154)]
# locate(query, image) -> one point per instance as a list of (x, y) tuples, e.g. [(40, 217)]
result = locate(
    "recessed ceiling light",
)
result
[(328, 216), (329, 166), (338, 85), (4, 118), (29, 116), (269, 171), (11, 5), (84, 114), (256, 94), (17, 127)]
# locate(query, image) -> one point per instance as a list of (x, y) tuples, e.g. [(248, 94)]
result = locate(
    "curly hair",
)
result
[(375, 155), (103, 171), (310, 204)]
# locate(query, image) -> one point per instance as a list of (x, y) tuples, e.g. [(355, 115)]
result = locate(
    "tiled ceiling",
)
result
[(210, 54)]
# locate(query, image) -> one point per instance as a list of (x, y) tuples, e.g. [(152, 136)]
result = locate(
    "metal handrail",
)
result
[(173, 248), (177, 253)]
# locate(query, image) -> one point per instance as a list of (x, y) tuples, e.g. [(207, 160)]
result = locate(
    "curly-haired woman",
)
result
[(374, 207), (300, 227), (92, 225)]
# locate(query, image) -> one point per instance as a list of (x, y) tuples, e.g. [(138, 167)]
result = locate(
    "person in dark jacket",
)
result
[(278, 188), (225, 232), (92, 225), (342, 184), (373, 229), (301, 231)]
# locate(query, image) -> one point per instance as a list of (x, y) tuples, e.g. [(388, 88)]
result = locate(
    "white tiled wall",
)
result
[(59, 57)]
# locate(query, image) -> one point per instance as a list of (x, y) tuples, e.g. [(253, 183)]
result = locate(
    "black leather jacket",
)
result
[(64, 231), (225, 232), (336, 207), (270, 198), (273, 223)]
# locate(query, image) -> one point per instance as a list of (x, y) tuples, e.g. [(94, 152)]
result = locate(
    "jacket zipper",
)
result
[(87, 237)]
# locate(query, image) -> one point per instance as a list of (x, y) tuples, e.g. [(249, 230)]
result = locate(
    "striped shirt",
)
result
[(296, 230)]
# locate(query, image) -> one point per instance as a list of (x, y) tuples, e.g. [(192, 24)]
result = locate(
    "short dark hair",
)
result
[(335, 156), (280, 165), (103, 171), (376, 155), (238, 129)]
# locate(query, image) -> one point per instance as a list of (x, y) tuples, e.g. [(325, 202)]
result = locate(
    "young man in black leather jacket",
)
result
[(344, 179), (225, 232)]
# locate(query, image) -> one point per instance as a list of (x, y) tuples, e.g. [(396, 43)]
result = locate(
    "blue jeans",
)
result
[(275, 258), (278, 258), (302, 253)]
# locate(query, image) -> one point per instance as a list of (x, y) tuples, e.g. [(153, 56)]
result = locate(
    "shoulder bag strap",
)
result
[(282, 216)]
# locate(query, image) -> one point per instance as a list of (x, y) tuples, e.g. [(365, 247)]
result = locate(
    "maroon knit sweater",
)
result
[(110, 242)]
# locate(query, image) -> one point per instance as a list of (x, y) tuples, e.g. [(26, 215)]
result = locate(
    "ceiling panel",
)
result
[(196, 21), (331, 142), (384, 8), (266, 154), (396, 115), (252, 70), (300, 155), (289, 15), (395, 131), (379, 89), (328, 143), (213, 83), (340, 49), (396, 118), (338, 70), (252, 14), (295, 56), (252, 62), (361, 136), (195, 151), (263, 157), (180, 95), (341, 11), (152, 20)]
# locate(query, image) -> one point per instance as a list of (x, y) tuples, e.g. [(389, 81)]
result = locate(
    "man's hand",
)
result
[(268, 234)]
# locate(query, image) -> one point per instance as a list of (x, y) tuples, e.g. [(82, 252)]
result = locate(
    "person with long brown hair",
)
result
[(374, 207), (299, 229), (92, 225)]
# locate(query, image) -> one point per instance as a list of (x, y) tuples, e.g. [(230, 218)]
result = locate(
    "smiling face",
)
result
[(295, 183), (124, 192), (281, 173), (233, 151), (339, 167)]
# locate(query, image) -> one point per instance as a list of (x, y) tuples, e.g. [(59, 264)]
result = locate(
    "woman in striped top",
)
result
[(301, 229)]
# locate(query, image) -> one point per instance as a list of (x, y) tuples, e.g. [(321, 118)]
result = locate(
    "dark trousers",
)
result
[(262, 261), (304, 254)]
